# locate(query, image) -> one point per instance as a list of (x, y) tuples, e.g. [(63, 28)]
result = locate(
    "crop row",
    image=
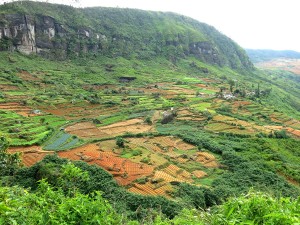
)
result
[(61, 141)]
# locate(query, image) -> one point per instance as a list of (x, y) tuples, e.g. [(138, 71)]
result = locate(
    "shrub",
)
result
[(120, 142), (148, 120)]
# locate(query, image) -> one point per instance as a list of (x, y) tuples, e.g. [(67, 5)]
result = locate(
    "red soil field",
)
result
[(31, 154), (122, 169)]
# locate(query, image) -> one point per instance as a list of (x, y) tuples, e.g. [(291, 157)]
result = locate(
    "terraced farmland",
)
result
[(80, 120), (23, 131)]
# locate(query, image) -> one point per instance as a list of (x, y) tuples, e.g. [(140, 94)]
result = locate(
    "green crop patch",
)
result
[(61, 141), (22, 130)]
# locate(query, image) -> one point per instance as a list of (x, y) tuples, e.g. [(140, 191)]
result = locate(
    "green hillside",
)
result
[(123, 116), (122, 32)]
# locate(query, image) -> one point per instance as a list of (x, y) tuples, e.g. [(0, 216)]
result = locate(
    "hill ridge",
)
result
[(63, 31)]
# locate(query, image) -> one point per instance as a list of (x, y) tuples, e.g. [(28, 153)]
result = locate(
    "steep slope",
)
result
[(63, 31)]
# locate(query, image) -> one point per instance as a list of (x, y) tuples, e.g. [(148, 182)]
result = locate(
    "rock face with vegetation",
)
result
[(42, 28)]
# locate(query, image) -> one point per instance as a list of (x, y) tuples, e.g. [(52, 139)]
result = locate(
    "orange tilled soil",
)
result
[(293, 132), (123, 170), (30, 154)]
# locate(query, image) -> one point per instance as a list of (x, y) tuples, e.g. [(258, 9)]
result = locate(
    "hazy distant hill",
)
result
[(260, 55)]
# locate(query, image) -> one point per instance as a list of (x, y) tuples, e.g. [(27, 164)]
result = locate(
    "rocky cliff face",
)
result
[(20, 29), (205, 51), (41, 34)]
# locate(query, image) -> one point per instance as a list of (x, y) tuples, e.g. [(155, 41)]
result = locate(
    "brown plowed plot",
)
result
[(123, 170), (199, 173), (166, 89), (207, 159), (222, 123), (80, 110), (183, 90), (172, 170), (283, 119), (31, 158), (183, 145), (89, 130), (190, 118), (165, 177), (8, 87), (241, 103), (201, 85), (151, 189), (137, 191), (85, 130), (24, 75), (185, 114), (107, 145), (293, 132), (164, 190), (177, 172), (293, 123), (145, 188), (182, 160), (163, 145), (223, 118), (30, 154), (163, 92), (17, 107), (272, 128)]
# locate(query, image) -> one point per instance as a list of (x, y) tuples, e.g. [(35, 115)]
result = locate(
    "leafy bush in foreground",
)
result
[(257, 208), (49, 206)]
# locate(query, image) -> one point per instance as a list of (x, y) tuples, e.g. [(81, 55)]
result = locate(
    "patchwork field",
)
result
[(42, 114)]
